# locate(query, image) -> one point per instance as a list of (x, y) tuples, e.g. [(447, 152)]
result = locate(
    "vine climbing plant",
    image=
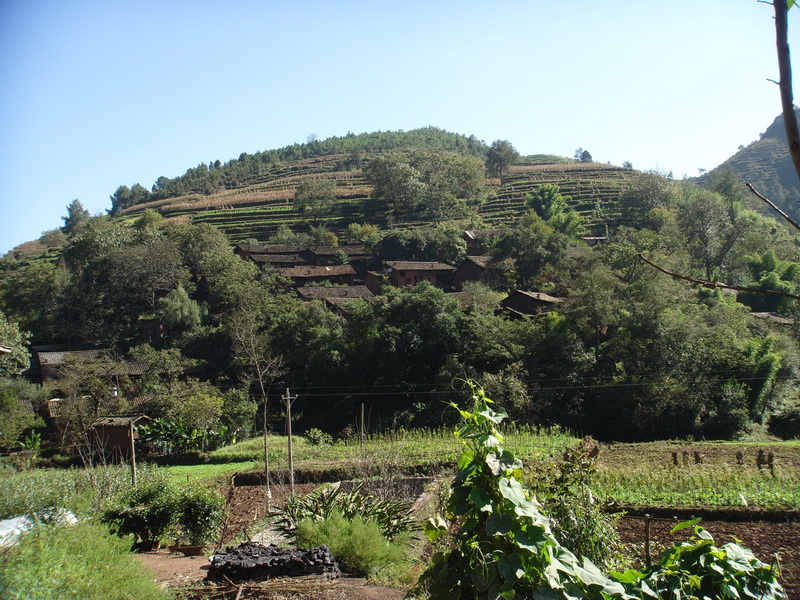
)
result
[(504, 547)]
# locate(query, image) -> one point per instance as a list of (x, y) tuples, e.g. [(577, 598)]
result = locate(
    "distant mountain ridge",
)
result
[(767, 165)]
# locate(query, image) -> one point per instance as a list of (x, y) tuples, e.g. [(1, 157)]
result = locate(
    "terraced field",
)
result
[(257, 208)]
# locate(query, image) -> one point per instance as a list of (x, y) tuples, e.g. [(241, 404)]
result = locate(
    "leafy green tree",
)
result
[(583, 156), (144, 273), (554, 208), (367, 233), (312, 340), (284, 235), (150, 219), (179, 311), (645, 192), (501, 155), (14, 355), (239, 411), (396, 182), (315, 197), (125, 197), (76, 214), (527, 248), (95, 239), (770, 273), (33, 294), (409, 337), (442, 244), (710, 235), (440, 185), (15, 416), (593, 299)]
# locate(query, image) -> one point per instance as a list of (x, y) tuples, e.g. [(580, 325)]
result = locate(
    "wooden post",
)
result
[(648, 560), (289, 399), (361, 428), (133, 454)]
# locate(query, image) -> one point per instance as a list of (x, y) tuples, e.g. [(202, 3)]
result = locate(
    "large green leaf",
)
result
[(532, 538), (481, 500), (510, 567), (499, 524)]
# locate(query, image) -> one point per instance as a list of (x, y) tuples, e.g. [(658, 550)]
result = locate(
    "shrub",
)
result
[(317, 437), (357, 543), (199, 514), (146, 510), (73, 563)]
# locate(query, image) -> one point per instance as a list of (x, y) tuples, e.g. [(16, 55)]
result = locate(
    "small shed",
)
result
[(114, 436)]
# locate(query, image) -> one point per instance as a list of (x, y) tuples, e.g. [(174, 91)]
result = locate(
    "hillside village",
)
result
[(354, 298), (309, 269)]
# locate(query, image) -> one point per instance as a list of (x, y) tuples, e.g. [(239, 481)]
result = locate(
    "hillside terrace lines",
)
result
[(262, 204)]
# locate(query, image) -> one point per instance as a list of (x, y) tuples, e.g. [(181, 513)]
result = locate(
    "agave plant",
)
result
[(393, 517)]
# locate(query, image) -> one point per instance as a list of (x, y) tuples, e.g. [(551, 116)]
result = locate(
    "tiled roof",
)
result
[(323, 271), (540, 296), (271, 248), (349, 249), (277, 258), (353, 291), (57, 358), (408, 265), (481, 261)]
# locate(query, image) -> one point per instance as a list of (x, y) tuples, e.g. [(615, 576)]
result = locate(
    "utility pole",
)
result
[(266, 459), (133, 452), (288, 399)]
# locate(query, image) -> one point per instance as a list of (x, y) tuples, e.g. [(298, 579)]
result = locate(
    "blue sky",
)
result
[(96, 94)]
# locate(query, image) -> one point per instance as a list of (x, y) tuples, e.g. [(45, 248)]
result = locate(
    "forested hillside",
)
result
[(373, 273)]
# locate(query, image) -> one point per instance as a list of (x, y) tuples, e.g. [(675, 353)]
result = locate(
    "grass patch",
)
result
[(74, 562), (209, 472), (421, 447), (82, 491)]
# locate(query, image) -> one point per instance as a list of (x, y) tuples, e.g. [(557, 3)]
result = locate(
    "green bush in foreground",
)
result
[(76, 562), (357, 544)]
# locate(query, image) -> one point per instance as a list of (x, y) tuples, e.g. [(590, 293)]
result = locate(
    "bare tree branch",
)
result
[(716, 284), (773, 205)]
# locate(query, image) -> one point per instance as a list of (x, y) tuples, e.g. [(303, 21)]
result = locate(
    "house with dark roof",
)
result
[(472, 269), (309, 293), (338, 274), (407, 273), (245, 251), (528, 304), (329, 255)]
